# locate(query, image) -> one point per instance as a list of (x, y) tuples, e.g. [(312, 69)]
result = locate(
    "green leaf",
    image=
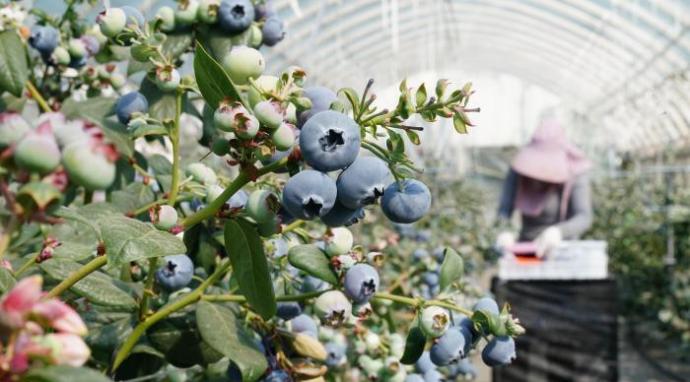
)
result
[(179, 338), (39, 194), (128, 240), (60, 373), (214, 83), (132, 197), (459, 124), (162, 105), (421, 95), (352, 97), (414, 346), (413, 136), (452, 268), (250, 268), (218, 43), (7, 281), (97, 287), (147, 130), (219, 328), (313, 261), (95, 109), (14, 69), (441, 86)]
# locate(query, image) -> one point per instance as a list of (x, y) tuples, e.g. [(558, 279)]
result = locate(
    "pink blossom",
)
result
[(67, 349), (19, 301), (59, 316)]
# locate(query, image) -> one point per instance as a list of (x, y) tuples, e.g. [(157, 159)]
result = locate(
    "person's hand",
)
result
[(548, 240), (504, 241)]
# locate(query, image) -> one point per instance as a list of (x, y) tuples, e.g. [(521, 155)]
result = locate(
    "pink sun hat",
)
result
[(549, 156)]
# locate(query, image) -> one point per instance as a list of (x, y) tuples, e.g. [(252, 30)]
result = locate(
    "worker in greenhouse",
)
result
[(548, 183)]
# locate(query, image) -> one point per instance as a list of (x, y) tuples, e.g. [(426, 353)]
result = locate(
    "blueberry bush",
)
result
[(171, 212)]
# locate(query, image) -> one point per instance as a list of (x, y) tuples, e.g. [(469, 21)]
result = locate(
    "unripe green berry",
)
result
[(186, 12), (37, 152), (166, 15), (269, 113), (262, 206), (61, 56), (87, 166), (208, 11), (284, 136), (243, 63), (166, 217), (434, 321), (202, 173), (112, 21)]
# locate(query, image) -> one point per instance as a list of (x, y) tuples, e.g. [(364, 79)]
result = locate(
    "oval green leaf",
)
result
[(452, 268), (414, 346), (310, 259)]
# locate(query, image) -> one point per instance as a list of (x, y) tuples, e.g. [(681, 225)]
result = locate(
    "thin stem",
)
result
[(80, 273), (148, 289), (417, 303), (175, 139), (36, 95), (239, 182), (241, 299), (26, 266), (292, 226), (167, 310), (450, 306), (394, 297)]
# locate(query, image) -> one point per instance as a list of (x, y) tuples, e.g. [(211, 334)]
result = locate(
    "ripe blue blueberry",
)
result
[(433, 376), (312, 284), (304, 324), (430, 279), (321, 99), (499, 351), (361, 282), (44, 39), (336, 354), (406, 201), (464, 369), (134, 17), (263, 10), (449, 348), (420, 254), (273, 31), (333, 308), (176, 272), (439, 253), (340, 215), (488, 305), (424, 363), (309, 194), (238, 200), (330, 141), (288, 310), (277, 375), (235, 16), (414, 378), (423, 236), (363, 182), (130, 103)]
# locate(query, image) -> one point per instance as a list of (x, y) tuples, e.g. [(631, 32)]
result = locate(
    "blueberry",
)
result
[(273, 31), (270, 113), (340, 215), (464, 369), (187, 12), (330, 141), (363, 182), (288, 310), (134, 17), (420, 254), (130, 103), (449, 348), (208, 11), (312, 284), (112, 21), (238, 200), (361, 282), (467, 325), (488, 305), (406, 201), (430, 279), (91, 43), (321, 99), (37, 151), (499, 351), (262, 206), (433, 376), (176, 272), (12, 128), (304, 324), (235, 118), (336, 354), (263, 10), (243, 63), (414, 378), (309, 194), (60, 56), (339, 242), (167, 78), (284, 137), (44, 39), (166, 15), (90, 165), (434, 321), (439, 253), (235, 16), (261, 85), (166, 217), (277, 375), (423, 236), (202, 173), (333, 308), (424, 363)]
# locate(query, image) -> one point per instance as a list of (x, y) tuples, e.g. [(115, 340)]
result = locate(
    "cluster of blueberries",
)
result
[(59, 150)]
